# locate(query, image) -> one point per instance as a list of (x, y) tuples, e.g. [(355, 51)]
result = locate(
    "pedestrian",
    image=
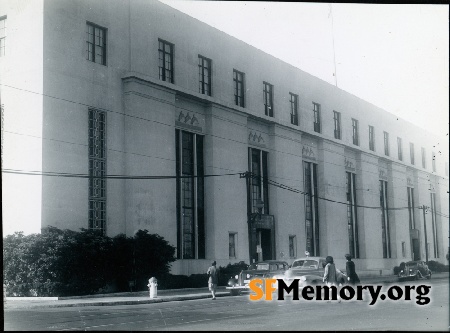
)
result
[(331, 274), (352, 277), (213, 275)]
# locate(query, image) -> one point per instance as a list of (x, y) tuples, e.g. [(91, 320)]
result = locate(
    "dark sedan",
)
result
[(414, 270), (263, 269)]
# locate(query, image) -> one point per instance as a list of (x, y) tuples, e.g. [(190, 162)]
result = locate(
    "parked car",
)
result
[(414, 270), (262, 269), (309, 270)]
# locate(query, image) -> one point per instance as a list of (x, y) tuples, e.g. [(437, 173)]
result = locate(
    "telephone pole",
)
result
[(425, 232)]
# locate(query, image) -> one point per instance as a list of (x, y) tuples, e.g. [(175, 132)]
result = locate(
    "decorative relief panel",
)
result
[(190, 121), (409, 182), (350, 164), (383, 174), (309, 153), (256, 139)]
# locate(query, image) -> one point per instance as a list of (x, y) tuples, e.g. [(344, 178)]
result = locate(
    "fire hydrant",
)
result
[(153, 287)]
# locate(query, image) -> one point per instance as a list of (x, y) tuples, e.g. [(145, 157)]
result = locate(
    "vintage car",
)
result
[(414, 270), (309, 270), (262, 269)]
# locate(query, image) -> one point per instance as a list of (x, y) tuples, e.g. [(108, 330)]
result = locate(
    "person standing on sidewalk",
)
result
[(213, 280), (330, 276), (352, 277)]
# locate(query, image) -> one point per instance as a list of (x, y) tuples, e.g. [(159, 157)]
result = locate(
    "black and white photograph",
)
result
[(196, 165)]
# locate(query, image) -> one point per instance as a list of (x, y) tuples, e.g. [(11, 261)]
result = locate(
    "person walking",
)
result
[(213, 280), (352, 277), (330, 276)]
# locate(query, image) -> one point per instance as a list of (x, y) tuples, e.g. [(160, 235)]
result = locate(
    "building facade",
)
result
[(131, 115)]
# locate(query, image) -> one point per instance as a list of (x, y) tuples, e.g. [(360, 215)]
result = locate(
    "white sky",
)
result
[(393, 56)]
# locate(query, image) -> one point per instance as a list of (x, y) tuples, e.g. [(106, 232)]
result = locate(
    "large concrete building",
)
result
[(131, 115)]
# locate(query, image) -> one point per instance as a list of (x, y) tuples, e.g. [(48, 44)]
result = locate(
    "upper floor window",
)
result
[(96, 44), (316, 110), (238, 78), (294, 109), (371, 138), (268, 99), (400, 149), (355, 132), (424, 161), (165, 61), (337, 124), (411, 152), (204, 75), (433, 161), (2, 36), (386, 143)]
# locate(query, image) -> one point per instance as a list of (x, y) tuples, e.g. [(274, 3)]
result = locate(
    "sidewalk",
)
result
[(142, 297)]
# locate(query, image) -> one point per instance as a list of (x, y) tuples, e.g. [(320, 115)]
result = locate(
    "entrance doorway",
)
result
[(264, 244), (416, 249)]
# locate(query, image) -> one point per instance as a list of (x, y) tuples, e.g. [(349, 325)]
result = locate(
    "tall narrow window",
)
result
[(316, 110), (204, 75), (412, 222), (2, 36), (294, 108), (96, 43), (386, 143), (166, 70), (411, 152), (97, 170), (190, 195), (292, 246), (355, 132), (371, 138), (433, 161), (400, 149), (424, 160), (385, 237), (403, 249), (433, 225), (311, 208), (268, 99), (232, 240), (258, 183), (337, 124), (238, 79), (352, 221)]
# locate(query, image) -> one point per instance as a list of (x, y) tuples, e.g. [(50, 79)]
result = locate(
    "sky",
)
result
[(393, 56)]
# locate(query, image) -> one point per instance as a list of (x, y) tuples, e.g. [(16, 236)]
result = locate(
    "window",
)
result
[(403, 249), (190, 195), (412, 222), (424, 165), (352, 221), (400, 149), (258, 183), (96, 44), (337, 124), (294, 109), (433, 161), (411, 152), (311, 208), (355, 132), (204, 75), (232, 240), (385, 220), (316, 110), (433, 225), (165, 61), (371, 138), (238, 78), (292, 246), (2, 36), (386, 143), (97, 170), (268, 99)]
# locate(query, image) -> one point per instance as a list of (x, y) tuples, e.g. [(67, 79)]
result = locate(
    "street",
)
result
[(239, 313)]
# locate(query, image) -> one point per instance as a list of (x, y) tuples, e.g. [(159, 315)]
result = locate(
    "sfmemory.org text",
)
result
[(263, 291)]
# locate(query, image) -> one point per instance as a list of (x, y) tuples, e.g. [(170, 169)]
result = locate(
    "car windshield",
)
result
[(259, 267), (306, 264)]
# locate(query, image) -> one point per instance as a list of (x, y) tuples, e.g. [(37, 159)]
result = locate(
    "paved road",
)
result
[(239, 313)]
